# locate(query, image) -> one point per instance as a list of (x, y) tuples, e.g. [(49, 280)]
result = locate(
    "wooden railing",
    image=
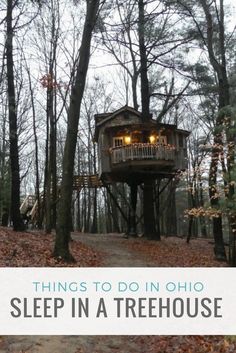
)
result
[(142, 151)]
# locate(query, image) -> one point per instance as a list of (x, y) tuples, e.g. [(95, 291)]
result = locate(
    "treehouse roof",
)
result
[(126, 111)]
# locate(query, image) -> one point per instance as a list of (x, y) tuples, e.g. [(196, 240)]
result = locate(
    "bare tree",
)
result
[(211, 34), (64, 213), (12, 110)]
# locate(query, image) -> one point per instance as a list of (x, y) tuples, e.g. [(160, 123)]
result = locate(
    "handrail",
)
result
[(142, 151)]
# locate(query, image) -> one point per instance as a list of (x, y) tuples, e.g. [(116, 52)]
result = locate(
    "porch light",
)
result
[(127, 140), (152, 139)]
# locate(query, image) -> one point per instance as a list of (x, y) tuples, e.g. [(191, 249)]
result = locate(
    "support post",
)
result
[(133, 203), (157, 202), (116, 203), (150, 229)]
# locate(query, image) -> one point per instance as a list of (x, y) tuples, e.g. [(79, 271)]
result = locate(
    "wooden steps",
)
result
[(87, 181), (27, 204)]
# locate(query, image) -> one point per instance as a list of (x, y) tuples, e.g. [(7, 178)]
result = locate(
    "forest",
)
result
[(65, 62)]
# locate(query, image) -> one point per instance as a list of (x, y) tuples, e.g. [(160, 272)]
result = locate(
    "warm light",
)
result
[(152, 139), (127, 140)]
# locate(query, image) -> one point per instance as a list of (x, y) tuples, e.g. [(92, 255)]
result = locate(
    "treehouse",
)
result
[(132, 149)]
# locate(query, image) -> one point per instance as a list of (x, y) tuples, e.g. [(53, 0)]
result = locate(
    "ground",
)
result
[(110, 250), (117, 251)]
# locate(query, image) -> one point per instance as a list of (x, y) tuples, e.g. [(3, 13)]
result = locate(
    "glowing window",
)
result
[(117, 141), (152, 139), (127, 140)]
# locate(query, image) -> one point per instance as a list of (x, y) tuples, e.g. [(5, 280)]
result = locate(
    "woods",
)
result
[(69, 67)]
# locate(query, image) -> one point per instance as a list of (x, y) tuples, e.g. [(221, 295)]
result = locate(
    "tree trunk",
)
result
[(12, 109), (47, 191), (145, 99), (171, 225), (150, 230), (53, 162), (94, 228), (201, 204), (108, 213), (95, 214), (223, 91), (148, 202), (192, 204), (37, 182), (133, 203), (51, 190), (89, 205), (134, 90), (64, 213)]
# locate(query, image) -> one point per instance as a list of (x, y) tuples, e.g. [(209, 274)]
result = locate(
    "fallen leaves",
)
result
[(188, 344), (158, 344), (23, 249), (175, 252)]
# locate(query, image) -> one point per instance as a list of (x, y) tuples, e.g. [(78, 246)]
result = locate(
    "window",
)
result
[(117, 141)]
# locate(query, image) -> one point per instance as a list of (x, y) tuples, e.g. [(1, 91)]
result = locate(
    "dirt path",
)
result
[(115, 253), (114, 250), (69, 344)]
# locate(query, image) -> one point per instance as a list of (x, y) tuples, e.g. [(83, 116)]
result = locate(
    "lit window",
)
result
[(152, 139), (127, 140), (117, 141)]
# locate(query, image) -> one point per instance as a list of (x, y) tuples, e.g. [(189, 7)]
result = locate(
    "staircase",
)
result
[(27, 204), (87, 181)]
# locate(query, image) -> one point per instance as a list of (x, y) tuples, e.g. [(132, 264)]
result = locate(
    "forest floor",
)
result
[(110, 250)]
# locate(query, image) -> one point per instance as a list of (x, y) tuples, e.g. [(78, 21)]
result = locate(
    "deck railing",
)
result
[(142, 151)]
